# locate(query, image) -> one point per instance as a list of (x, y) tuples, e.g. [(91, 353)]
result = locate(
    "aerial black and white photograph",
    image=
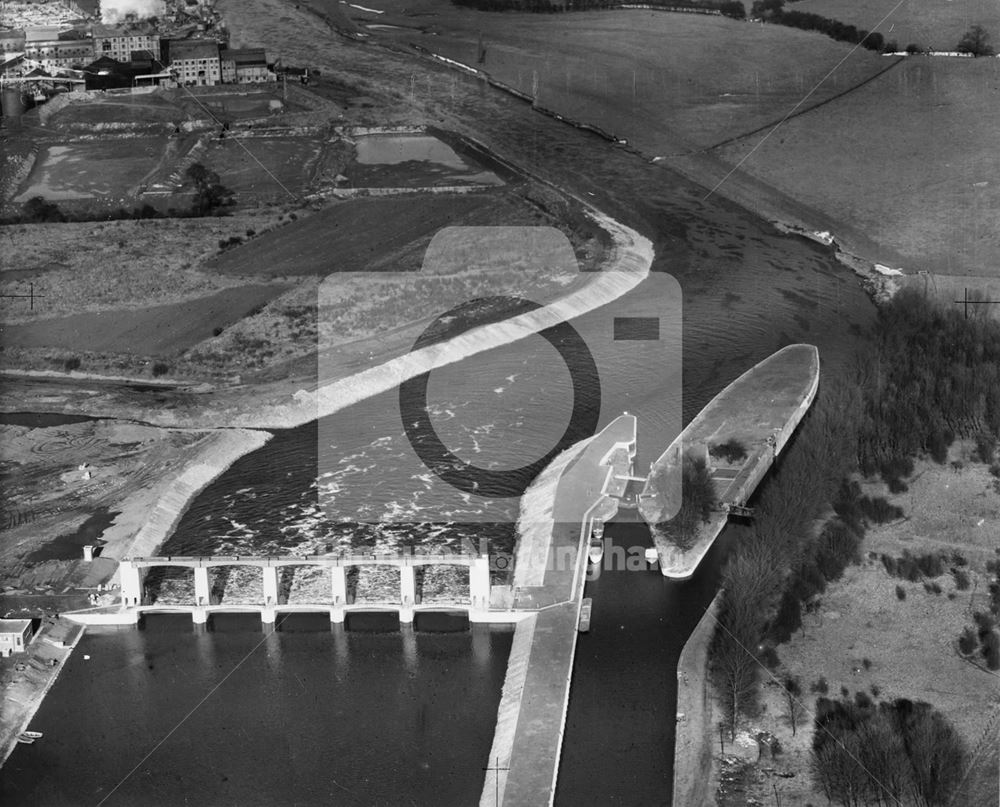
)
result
[(500, 403)]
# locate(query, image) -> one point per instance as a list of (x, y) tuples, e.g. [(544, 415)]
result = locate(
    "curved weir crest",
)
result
[(626, 267)]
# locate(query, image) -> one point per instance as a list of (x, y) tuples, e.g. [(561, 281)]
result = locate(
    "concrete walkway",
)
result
[(556, 514)]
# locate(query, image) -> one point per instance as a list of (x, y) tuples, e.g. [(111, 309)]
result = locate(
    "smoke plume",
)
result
[(113, 11)]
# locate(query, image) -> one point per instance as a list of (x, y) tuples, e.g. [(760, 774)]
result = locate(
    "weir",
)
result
[(560, 512), (135, 599)]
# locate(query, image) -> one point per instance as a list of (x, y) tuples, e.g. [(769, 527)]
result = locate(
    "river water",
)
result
[(309, 714), (337, 717)]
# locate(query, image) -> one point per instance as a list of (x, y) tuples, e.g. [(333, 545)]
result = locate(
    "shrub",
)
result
[(866, 663), (72, 364), (861, 700), (968, 642), (837, 546), (900, 593), (897, 486), (36, 209), (159, 368), (931, 564), (769, 657), (961, 579), (876, 690), (217, 330), (932, 588), (788, 619), (991, 650), (820, 686), (845, 692), (985, 447), (913, 49), (878, 510), (251, 232), (732, 450)]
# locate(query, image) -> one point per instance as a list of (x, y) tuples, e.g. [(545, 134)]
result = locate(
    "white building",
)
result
[(55, 48), (245, 66), (15, 634), (119, 41), (195, 62)]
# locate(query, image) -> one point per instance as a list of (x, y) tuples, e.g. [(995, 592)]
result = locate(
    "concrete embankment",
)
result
[(221, 451), (693, 740), (758, 411), (550, 577), (508, 713)]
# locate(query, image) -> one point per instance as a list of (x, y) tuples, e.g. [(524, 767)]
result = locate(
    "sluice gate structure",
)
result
[(135, 600)]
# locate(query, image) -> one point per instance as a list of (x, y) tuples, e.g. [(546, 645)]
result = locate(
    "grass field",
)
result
[(910, 159), (125, 263), (909, 643), (663, 81), (366, 237), (91, 169), (933, 24), (354, 236), (158, 331)]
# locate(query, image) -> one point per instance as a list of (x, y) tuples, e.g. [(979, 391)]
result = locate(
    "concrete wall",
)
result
[(693, 745), (219, 453)]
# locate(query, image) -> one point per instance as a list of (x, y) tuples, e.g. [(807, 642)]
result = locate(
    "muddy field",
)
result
[(412, 161), (67, 485), (108, 169), (263, 169)]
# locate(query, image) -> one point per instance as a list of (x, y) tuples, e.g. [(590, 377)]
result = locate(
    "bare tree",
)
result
[(975, 41)]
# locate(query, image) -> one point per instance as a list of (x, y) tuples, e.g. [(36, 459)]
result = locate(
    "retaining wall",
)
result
[(694, 737)]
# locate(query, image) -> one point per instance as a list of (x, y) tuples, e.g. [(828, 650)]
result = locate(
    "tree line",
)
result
[(929, 375), (774, 11), (727, 8)]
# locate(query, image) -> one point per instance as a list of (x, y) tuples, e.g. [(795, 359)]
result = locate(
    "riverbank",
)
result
[(693, 743), (26, 678)]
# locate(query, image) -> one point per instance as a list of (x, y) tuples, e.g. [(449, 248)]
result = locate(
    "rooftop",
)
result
[(193, 49), (245, 55), (14, 625), (110, 31)]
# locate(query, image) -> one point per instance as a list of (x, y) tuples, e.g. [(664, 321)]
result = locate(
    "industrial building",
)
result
[(15, 635)]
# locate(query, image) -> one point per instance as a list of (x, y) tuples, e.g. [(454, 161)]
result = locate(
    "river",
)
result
[(281, 734)]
